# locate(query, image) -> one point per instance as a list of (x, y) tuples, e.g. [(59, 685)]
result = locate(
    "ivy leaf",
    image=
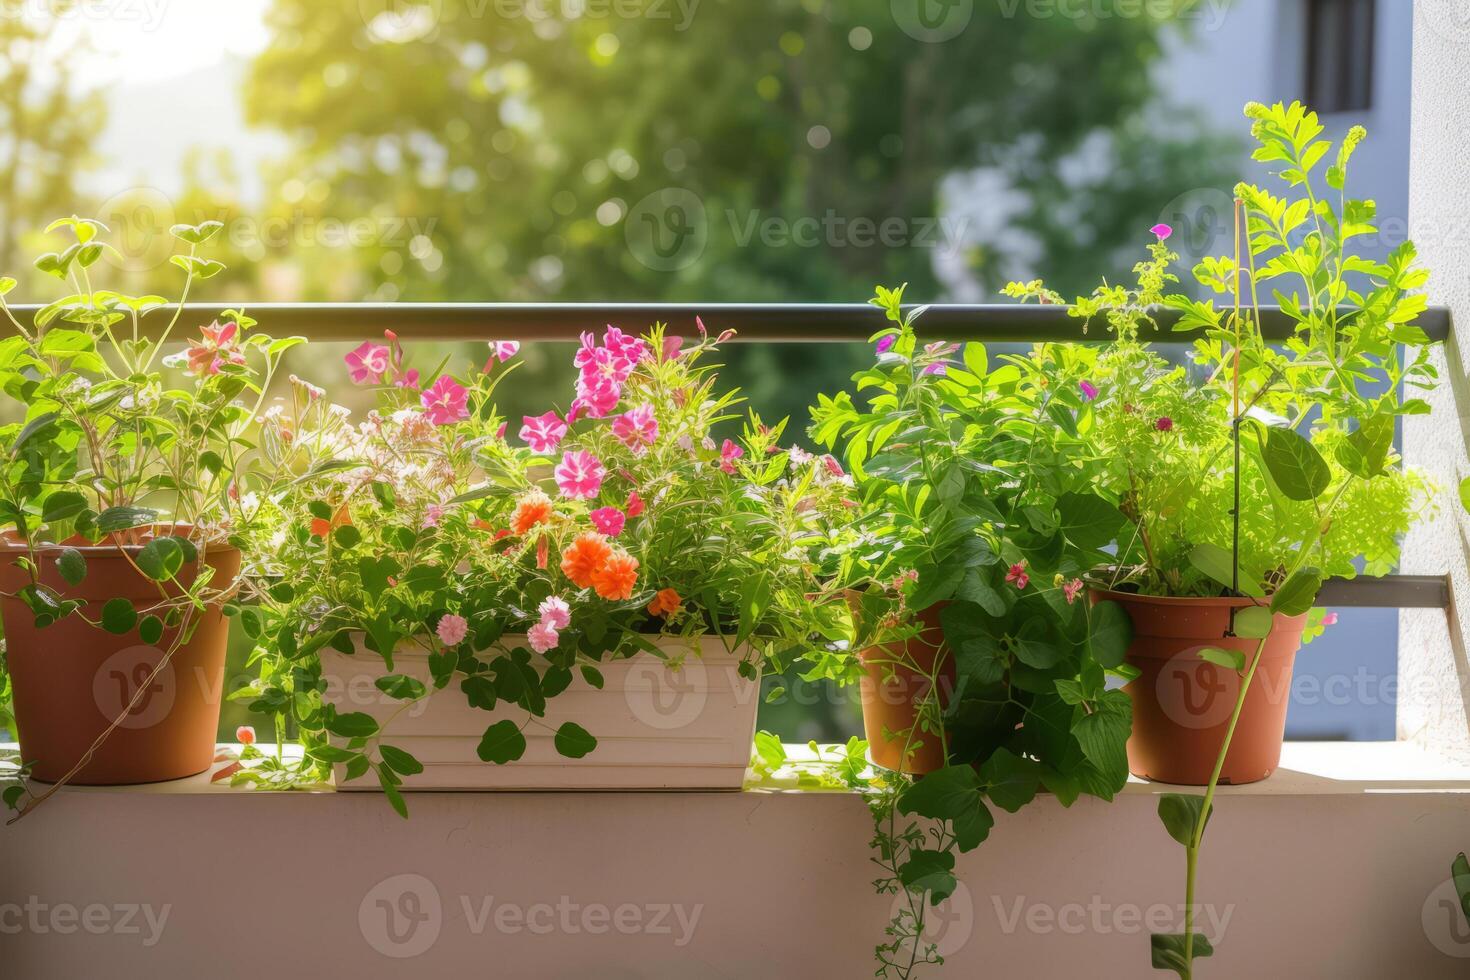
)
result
[(1179, 813), (1109, 633), (1087, 520), (971, 635), (1037, 643), (1168, 951), (1103, 734), (574, 741), (502, 743), (1011, 781), (1295, 465), (929, 871), (72, 566), (953, 794), (1229, 659)]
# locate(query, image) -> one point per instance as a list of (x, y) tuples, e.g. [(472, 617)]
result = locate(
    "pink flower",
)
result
[(1071, 590), (504, 350), (635, 504), (446, 402), (1329, 619), (1162, 230), (729, 453), (833, 467), (885, 344), (215, 348), (938, 367), (555, 612), (543, 637), (408, 379), (543, 433), (451, 629), (608, 520), (637, 429), (245, 735), (1089, 390), (603, 370), (671, 347), (1164, 424), (1017, 575), (367, 363), (433, 514), (579, 475)]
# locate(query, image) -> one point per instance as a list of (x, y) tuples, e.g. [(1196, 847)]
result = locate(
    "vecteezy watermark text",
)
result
[(64, 919)]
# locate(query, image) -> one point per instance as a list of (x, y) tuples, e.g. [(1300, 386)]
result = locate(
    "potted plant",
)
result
[(1245, 490), (448, 590), (121, 505), (976, 521)]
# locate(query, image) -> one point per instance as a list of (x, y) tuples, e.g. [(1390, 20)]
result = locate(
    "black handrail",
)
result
[(768, 323)]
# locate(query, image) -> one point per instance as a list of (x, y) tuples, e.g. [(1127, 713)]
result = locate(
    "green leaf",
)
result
[(401, 688), (1253, 622), (592, 676), (1103, 735), (1215, 562), (953, 794), (1295, 465), (502, 743), (400, 761), (573, 741), (1011, 781), (1168, 951), (115, 519), (63, 505), (71, 566), (347, 536), (1179, 813), (1365, 453), (1038, 644), (390, 790), (354, 724), (1087, 520), (1109, 633), (1229, 659), (929, 871), (1465, 494), (150, 629), (1460, 871), (1298, 594), (118, 616), (161, 559)]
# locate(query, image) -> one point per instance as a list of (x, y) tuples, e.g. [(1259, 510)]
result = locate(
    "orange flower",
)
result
[(584, 557), (666, 603), (615, 580), (321, 527), (532, 509)]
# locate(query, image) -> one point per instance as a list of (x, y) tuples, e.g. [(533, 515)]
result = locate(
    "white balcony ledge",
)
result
[(1340, 861)]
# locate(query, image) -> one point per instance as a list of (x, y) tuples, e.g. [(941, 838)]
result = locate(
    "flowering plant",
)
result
[(115, 450), (975, 486), (515, 556)]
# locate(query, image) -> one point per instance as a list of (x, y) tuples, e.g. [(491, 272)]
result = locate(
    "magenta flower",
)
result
[(504, 350), (555, 612), (579, 475), (1089, 390), (885, 344), (603, 370), (1071, 590), (1017, 575), (543, 433), (1162, 230), (729, 453), (451, 629), (216, 347), (671, 347), (446, 402), (635, 504), (637, 429), (542, 637), (833, 467), (608, 520), (1329, 619), (938, 367), (408, 379), (367, 363), (1164, 423)]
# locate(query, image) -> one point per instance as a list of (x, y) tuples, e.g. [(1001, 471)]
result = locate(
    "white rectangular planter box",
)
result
[(656, 728)]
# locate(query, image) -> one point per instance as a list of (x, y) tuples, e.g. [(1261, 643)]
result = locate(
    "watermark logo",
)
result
[(129, 674), (932, 21), (1444, 921), (668, 230), (1203, 220), (666, 699), (65, 919), (1450, 19), (948, 926), (1192, 692), (1100, 917), (401, 916), (147, 14), (400, 21)]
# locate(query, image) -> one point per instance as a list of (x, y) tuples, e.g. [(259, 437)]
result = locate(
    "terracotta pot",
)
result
[(71, 679), (1182, 704), (891, 691)]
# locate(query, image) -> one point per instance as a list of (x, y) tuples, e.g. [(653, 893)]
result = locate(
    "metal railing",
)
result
[(773, 323)]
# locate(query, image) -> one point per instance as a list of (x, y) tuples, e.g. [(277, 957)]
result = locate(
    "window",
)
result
[(1339, 55)]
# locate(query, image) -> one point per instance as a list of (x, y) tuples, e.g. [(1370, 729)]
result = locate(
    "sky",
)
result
[(141, 41)]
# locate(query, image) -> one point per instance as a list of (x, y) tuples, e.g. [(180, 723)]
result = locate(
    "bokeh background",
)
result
[(685, 150)]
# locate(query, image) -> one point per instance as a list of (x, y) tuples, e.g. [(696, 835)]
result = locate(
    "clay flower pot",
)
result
[(1182, 704), (71, 680), (891, 692)]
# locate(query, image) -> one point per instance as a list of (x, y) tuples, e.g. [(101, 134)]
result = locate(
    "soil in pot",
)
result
[(71, 680), (1182, 704), (891, 691)]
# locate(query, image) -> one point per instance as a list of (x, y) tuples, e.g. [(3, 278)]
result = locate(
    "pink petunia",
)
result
[(446, 402), (635, 504), (555, 612), (671, 347), (215, 348), (1017, 575), (729, 453), (938, 367), (636, 428), (579, 475), (504, 350), (1162, 231), (1329, 619), (543, 433), (367, 363), (451, 629), (1089, 390), (408, 379), (608, 520), (543, 637), (885, 344)]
